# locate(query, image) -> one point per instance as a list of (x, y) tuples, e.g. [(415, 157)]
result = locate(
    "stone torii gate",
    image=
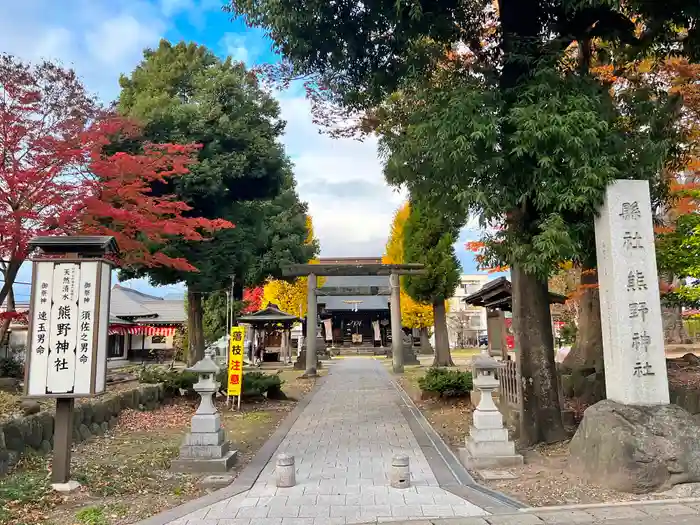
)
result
[(312, 271)]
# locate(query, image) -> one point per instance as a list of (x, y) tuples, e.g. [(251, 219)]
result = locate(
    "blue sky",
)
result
[(341, 180)]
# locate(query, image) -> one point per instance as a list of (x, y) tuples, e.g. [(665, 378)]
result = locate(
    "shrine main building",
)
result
[(354, 311)]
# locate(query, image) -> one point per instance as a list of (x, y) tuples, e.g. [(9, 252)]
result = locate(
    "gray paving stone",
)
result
[(283, 511), (315, 511), (297, 521), (251, 512), (615, 513), (406, 510), (564, 517)]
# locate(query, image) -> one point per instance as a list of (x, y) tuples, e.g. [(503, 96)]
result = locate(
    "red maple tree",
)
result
[(44, 110), (252, 297), (58, 177), (120, 200)]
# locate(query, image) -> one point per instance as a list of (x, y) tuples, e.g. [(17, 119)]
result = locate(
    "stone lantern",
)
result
[(487, 444), (205, 448)]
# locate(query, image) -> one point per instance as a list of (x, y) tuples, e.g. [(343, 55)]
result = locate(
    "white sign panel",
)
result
[(69, 328), (40, 320)]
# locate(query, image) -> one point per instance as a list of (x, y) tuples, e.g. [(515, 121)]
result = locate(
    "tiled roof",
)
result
[(145, 308)]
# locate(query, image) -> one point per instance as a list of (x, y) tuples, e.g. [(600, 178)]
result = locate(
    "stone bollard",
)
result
[(400, 475), (285, 471)]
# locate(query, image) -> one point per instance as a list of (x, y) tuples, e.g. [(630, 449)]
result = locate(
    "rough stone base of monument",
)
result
[(637, 449), (205, 465)]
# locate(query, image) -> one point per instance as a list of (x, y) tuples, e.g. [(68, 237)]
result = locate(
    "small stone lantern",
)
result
[(487, 444), (205, 448)]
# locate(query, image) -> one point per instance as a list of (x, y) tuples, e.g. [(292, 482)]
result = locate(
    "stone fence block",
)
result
[(35, 432)]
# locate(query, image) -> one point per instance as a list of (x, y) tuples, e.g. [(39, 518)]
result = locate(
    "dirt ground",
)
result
[(545, 479), (124, 474)]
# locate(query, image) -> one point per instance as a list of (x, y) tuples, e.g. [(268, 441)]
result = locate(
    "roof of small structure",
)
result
[(497, 294), (130, 304), (271, 314)]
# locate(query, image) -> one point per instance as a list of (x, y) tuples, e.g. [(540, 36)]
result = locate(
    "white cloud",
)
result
[(99, 39), (343, 183), (173, 7), (234, 45), (119, 42)]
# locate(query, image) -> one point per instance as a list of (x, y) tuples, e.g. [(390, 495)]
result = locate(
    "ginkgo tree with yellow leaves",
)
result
[(413, 314)]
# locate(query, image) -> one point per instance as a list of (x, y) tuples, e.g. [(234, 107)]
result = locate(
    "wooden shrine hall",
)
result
[(497, 297)]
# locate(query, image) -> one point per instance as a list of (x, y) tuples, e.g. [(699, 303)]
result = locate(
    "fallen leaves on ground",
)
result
[(175, 415), (125, 473)]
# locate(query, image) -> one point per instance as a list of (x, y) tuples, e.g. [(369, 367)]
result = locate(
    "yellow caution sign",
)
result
[(235, 361)]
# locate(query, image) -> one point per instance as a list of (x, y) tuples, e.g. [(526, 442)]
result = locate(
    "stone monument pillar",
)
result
[(633, 341), (205, 448), (633, 441), (487, 444)]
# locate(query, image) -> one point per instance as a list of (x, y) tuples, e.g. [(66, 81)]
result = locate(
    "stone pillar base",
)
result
[(300, 363), (205, 465), (479, 462), (409, 356)]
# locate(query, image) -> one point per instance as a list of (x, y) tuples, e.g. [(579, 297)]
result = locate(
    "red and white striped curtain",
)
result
[(142, 330)]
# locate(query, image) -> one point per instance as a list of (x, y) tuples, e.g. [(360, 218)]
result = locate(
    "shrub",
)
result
[(11, 367), (447, 383), (173, 380), (254, 383)]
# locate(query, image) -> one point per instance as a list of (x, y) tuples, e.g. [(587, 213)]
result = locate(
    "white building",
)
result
[(466, 323)]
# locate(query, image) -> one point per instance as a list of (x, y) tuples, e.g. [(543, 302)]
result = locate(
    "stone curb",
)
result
[(583, 506), (449, 471), (679, 511), (248, 476)]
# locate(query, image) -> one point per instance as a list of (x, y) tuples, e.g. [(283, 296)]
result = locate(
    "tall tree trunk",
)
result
[(587, 351), (672, 319), (540, 419), (9, 273), (674, 329), (425, 347), (195, 326), (5, 326), (442, 341)]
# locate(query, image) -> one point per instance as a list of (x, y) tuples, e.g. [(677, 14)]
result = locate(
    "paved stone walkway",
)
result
[(343, 443)]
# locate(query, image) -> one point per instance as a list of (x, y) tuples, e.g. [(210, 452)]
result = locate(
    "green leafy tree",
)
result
[(508, 129), (279, 237), (184, 93), (429, 239)]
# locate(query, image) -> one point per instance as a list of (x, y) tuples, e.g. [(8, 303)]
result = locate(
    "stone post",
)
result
[(311, 318), (487, 444), (396, 332), (285, 471), (400, 473), (633, 341)]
